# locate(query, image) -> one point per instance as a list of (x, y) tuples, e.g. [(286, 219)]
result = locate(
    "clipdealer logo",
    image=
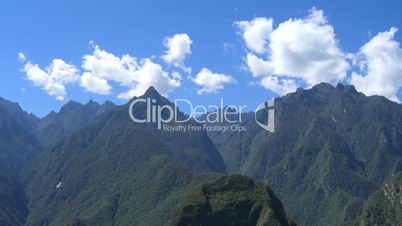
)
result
[(269, 107), (218, 118)]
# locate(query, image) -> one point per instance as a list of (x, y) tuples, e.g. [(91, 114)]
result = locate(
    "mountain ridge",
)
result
[(144, 167), (332, 148), (332, 145)]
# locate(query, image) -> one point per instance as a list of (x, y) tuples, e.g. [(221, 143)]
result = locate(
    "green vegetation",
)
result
[(116, 172), (384, 207), (331, 149), (72, 116), (13, 209), (329, 162), (230, 200), (17, 142)]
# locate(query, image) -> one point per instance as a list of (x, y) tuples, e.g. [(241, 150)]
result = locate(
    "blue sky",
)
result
[(48, 30)]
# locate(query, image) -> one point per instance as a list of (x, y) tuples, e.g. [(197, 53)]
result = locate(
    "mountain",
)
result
[(384, 207), (230, 144), (332, 147), (20, 116), (13, 201), (23, 135), (72, 116), (332, 152), (230, 200), (116, 172), (17, 146), (17, 142), (226, 117)]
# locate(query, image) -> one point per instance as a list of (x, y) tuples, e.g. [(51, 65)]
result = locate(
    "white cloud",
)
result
[(178, 48), (380, 62), (280, 86), (211, 82), (307, 49), (62, 72), (151, 74), (105, 65), (303, 50), (101, 67), (257, 66), (21, 57), (99, 70), (95, 84), (54, 78), (256, 33)]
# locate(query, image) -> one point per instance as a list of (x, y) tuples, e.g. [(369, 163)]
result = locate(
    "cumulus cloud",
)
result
[(303, 50), (100, 70), (95, 84), (53, 78), (105, 65), (310, 53), (151, 74), (257, 66), (178, 48), (137, 75), (380, 62), (211, 82), (278, 85), (256, 33)]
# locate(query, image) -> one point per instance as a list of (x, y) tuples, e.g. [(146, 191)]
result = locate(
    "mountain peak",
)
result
[(69, 106), (72, 103), (323, 86), (17, 113), (108, 104), (346, 88), (323, 89), (10, 106), (152, 93), (339, 87), (92, 103)]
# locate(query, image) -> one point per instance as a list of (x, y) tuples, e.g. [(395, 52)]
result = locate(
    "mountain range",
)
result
[(331, 149), (332, 152)]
